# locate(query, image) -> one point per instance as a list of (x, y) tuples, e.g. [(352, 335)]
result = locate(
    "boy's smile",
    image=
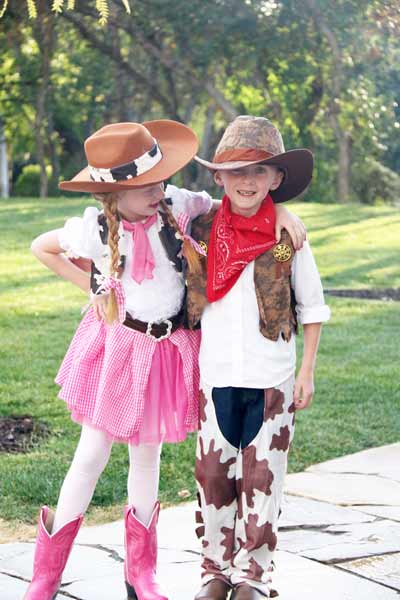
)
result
[(247, 187)]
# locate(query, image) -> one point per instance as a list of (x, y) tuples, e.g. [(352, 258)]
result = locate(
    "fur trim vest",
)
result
[(275, 297)]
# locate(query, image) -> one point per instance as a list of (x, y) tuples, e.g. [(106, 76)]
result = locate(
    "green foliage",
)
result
[(167, 58), (32, 12), (102, 7), (28, 183), (375, 183), (3, 8)]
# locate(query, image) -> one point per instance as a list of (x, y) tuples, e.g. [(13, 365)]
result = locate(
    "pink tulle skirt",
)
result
[(133, 388)]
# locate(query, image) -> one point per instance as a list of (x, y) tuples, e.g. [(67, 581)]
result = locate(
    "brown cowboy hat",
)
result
[(250, 140), (133, 155)]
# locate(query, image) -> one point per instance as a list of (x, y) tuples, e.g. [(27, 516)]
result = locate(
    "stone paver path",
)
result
[(339, 540)]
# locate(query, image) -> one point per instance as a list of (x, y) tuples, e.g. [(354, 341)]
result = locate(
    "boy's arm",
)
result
[(304, 386), (185, 201), (311, 313), (292, 223)]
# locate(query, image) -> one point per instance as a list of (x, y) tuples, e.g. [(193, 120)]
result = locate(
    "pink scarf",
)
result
[(142, 257)]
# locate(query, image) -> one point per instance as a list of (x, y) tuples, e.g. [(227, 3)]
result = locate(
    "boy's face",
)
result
[(247, 187)]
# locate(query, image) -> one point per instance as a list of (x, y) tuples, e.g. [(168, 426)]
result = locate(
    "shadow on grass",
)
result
[(358, 272), (18, 282), (325, 216)]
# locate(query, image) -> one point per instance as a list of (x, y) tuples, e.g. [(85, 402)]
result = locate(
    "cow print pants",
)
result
[(241, 462)]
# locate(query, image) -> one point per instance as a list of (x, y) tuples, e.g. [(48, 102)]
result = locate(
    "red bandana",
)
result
[(234, 242)]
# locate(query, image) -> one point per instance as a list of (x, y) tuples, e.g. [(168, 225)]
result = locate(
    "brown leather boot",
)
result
[(216, 589), (244, 591)]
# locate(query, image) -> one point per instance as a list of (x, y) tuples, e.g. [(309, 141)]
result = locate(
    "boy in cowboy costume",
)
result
[(250, 295)]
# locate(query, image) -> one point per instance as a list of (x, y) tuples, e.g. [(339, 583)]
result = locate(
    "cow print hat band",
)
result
[(137, 167)]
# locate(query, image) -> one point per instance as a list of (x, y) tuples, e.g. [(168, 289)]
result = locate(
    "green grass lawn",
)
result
[(357, 400)]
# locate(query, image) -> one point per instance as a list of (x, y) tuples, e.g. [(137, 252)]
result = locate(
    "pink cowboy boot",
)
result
[(51, 555), (141, 556)]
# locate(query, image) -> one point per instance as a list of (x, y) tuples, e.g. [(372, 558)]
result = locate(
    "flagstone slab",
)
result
[(102, 587), (386, 512), (383, 569), (11, 588), (299, 578), (178, 581), (303, 512), (176, 529), (343, 542), (344, 489), (382, 462), (165, 555), (83, 563), (110, 534), (95, 573), (13, 550)]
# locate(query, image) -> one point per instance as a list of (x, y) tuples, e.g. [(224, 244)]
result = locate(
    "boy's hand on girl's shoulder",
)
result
[(303, 389), (293, 225)]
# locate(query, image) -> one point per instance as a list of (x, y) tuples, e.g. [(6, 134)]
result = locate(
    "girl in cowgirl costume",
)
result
[(131, 372)]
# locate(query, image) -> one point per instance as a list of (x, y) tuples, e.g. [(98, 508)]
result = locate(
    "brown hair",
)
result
[(109, 202)]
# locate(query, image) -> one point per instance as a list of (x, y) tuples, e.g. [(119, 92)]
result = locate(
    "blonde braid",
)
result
[(109, 202), (192, 257)]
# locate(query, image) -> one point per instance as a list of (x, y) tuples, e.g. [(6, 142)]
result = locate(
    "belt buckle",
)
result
[(167, 334)]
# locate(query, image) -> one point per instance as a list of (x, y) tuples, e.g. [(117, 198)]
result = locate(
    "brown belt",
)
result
[(157, 331)]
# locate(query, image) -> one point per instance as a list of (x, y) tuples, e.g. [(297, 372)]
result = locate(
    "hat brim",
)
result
[(297, 164), (178, 145)]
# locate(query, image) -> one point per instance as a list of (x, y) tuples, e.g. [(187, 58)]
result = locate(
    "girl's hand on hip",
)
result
[(303, 389), (100, 303)]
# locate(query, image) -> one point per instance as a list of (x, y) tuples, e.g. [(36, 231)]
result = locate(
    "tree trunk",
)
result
[(335, 88), (55, 163), (40, 150), (204, 178), (4, 181), (45, 40), (344, 168)]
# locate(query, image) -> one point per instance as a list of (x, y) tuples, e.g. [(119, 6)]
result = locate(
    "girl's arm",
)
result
[(304, 386), (47, 249), (292, 223)]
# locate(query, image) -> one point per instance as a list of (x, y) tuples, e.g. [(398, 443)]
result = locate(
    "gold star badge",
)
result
[(203, 246), (282, 252)]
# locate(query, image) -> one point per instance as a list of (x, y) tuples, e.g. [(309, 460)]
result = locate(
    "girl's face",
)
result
[(137, 204)]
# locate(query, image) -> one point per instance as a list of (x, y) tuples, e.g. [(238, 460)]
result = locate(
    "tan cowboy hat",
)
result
[(250, 140), (133, 155)]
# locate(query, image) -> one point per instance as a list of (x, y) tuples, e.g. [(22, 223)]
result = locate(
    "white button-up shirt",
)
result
[(233, 351)]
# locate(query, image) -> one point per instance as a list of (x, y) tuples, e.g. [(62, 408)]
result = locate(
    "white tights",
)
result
[(91, 457)]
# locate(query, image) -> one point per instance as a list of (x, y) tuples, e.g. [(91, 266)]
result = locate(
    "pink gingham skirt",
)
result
[(135, 389)]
